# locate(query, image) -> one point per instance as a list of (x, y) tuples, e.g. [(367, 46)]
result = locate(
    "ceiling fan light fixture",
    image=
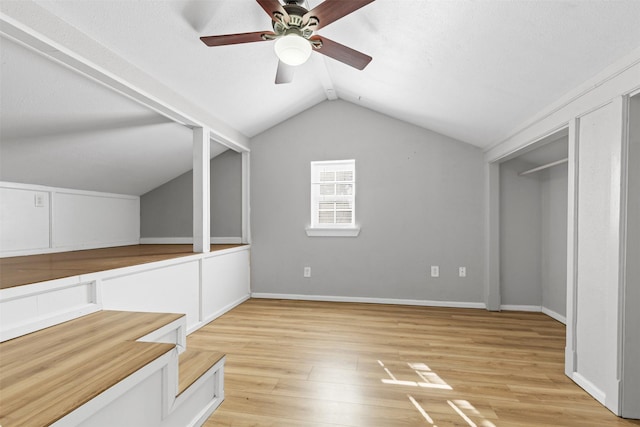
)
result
[(293, 49)]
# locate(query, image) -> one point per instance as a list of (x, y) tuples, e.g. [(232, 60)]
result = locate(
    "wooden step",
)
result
[(193, 364), (47, 374)]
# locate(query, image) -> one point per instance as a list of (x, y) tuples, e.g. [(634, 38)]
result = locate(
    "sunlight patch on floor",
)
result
[(422, 411), (430, 379)]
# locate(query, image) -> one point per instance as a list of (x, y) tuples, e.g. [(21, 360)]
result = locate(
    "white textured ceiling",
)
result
[(472, 70)]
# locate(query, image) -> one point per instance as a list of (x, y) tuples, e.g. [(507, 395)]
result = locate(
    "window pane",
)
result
[(344, 217), (327, 176), (343, 206), (325, 217), (344, 189), (344, 176), (323, 206), (327, 189)]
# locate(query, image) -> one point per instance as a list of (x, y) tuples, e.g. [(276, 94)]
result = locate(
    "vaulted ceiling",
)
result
[(472, 70)]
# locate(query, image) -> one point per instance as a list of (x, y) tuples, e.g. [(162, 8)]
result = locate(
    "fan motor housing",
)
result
[(295, 10), (295, 22)]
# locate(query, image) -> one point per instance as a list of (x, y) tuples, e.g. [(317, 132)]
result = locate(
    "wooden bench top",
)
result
[(24, 270), (47, 374)]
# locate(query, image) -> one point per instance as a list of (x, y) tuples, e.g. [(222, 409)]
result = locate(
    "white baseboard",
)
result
[(559, 317), (217, 314), (427, 303), (535, 308), (514, 307), (166, 240), (589, 387), (188, 240), (83, 247)]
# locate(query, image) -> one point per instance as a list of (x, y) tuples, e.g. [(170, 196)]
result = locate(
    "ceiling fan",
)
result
[(293, 31)]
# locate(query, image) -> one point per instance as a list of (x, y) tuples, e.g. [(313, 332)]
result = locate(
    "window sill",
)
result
[(333, 232)]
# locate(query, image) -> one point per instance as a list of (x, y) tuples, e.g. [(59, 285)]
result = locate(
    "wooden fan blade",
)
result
[(234, 38), (331, 10), (271, 6), (285, 73), (342, 53)]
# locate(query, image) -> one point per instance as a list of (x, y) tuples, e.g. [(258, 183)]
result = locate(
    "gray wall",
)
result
[(554, 187), (167, 211), (533, 236), (419, 201), (226, 195), (520, 228)]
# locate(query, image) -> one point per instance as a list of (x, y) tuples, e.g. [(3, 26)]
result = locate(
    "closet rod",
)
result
[(548, 165)]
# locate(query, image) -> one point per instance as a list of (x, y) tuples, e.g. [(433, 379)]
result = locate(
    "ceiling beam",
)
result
[(320, 65)]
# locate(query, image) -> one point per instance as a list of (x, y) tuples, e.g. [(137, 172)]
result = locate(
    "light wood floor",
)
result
[(22, 270), (301, 364)]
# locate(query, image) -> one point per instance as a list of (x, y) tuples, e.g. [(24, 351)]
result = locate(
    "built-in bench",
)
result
[(109, 368), (155, 278)]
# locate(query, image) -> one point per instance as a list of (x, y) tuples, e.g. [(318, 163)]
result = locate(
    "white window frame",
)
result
[(316, 229)]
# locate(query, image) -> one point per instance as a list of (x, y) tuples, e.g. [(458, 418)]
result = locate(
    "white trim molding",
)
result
[(535, 309), (515, 307), (557, 316), (188, 240), (589, 387)]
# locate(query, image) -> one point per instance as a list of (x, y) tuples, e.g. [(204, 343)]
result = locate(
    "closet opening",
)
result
[(533, 228)]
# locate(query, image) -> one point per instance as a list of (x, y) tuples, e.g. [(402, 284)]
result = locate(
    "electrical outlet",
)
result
[(435, 271), (462, 271), (39, 200), (307, 272)]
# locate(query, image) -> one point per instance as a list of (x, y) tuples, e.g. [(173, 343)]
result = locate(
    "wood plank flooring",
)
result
[(47, 374), (193, 364), (303, 364), (23, 270)]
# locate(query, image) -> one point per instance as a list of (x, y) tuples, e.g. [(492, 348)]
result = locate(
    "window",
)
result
[(333, 189)]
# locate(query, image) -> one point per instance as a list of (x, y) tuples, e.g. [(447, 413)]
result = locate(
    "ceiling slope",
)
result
[(61, 129), (472, 70)]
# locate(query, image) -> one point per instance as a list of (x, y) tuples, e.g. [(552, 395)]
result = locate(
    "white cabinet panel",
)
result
[(23, 225), (225, 281), (171, 289), (88, 220)]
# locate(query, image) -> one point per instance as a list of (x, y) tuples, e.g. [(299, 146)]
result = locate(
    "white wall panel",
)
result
[(598, 249), (95, 220), (225, 281), (64, 219), (23, 225), (171, 289), (24, 309)]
